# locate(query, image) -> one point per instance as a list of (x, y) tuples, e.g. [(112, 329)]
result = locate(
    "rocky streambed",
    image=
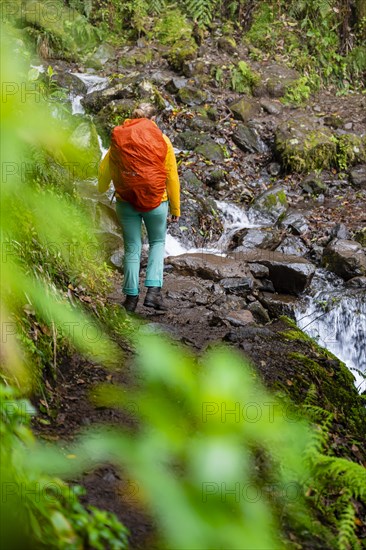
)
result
[(273, 196)]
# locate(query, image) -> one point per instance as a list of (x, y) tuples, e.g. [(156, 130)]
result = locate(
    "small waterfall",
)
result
[(234, 218), (92, 82), (336, 317)]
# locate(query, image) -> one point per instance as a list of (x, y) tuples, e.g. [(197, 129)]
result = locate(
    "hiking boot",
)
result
[(130, 303), (154, 298)]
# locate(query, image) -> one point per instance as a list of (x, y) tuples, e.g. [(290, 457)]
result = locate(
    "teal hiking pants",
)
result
[(155, 222)]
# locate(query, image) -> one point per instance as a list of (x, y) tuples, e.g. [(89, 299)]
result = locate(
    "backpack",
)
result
[(138, 152)]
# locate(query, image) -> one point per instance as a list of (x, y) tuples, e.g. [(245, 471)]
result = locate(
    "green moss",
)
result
[(298, 92), (351, 149), (243, 78), (272, 199)]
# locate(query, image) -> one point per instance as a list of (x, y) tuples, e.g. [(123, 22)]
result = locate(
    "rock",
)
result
[(345, 258), (191, 179), (245, 109), (269, 206), (271, 107), (259, 271), (274, 168), (116, 259), (95, 101), (100, 56), (313, 184), (304, 145), (289, 274), (348, 126), (356, 282), (296, 221), (189, 140), (211, 151), (334, 121), (275, 80), (249, 238), (240, 318), (191, 96), (176, 84), (358, 176), (227, 44), (209, 266), (248, 139), (260, 314), (216, 178), (201, 122), (237, 285), (69, 81), (279, 304), (360, 236), (351, 150), (293, 246), (113, 114), (340, 231), (111, 242)]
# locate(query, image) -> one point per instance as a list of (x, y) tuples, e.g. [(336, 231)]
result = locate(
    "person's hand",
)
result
[(173, 219)]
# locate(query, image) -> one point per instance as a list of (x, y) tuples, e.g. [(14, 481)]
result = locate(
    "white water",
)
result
[(92, 82), (336, 318)]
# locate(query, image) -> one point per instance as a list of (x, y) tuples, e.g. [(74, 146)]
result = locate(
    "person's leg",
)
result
[(130, 221), (156, 223)]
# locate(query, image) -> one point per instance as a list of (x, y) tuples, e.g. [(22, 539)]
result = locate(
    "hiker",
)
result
[(141, 162)]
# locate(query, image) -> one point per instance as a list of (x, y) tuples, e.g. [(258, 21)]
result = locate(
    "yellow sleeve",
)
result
[(172, 179), (104, 174)]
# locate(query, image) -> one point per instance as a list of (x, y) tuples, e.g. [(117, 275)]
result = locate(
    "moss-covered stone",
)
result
[(360, 236), (244, 109), (305, 145), (211, 151), (351, 149), (270, 205), (181, 52), (191, 96)]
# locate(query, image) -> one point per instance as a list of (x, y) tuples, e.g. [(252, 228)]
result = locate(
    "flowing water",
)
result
[(330, 313)]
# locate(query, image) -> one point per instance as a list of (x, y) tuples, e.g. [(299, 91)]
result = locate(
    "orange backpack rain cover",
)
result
[(138, 152)]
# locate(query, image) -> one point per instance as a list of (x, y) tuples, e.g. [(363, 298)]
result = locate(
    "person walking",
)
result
[(142, 165)]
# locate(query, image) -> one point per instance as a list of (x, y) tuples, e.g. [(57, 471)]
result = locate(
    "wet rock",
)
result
[(345, 258), (275, 80), (265, 238), (209, 266), (269, 206), (124, 89), (240, 318), (289, 274), (259, 271), (113, 114), (116, 259), (191, 96), (69, 81), (245, 109), (296, 221), (259, 312), (358, 176), (110, 243), (303, 144), (271, 107), (279, 304), (356, 282), (201, 122), (340, 231), (211, 151), (237, 285), (247, 139), (292, 246), (216, 178)]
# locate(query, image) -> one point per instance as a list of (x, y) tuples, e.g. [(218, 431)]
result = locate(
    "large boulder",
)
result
[(249, 238), (269, 206), (289, 274), (303, 144), (345, 258)]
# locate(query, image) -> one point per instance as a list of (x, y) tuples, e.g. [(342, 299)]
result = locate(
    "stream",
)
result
[(332, 314)]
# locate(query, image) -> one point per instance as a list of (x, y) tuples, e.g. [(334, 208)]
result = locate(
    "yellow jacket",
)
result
[(172, 181)]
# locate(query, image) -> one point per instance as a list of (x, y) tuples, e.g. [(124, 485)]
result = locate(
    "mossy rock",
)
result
[(182, 51), (211, 151), (112, 115), (244, 109), (227, 44), (305, 145), (190, 140), (351, 149), (192, 96), (360, 236), (270, 205)]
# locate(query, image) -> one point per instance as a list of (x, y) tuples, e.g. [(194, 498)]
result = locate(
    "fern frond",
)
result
[(156, 7), (346, 534), (201, 11)]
